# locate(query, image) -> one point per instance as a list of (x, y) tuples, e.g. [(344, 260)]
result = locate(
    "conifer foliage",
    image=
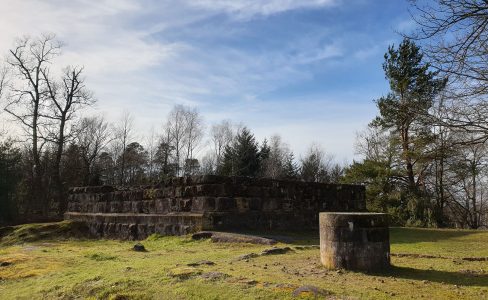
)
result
[(243, 156)]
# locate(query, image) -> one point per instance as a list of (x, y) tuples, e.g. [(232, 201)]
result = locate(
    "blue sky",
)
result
[(307, 70)]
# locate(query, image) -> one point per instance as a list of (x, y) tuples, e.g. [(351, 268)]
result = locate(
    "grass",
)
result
[(40, 265)]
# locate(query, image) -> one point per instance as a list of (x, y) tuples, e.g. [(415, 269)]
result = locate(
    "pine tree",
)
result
[(264, 153), (404, 112), (412, 91), (10, 176), (242, 157), (290, 168)]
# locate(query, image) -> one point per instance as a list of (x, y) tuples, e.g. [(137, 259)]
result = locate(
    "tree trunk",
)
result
[(474, 214), (60, 198), (408, 159), (38, 196)]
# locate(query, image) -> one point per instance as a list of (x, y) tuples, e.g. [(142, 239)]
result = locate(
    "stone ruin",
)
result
[(354, 241), (185, 205)]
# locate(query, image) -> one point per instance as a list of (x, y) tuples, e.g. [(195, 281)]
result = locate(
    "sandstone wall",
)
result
[(188, 204)]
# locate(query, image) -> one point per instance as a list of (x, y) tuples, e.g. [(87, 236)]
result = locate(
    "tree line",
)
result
[(423, 158), (425, 155), (61, 147)]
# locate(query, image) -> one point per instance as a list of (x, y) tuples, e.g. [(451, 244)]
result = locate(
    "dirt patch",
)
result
[(247, 256), (184, 273), (307, 247), (5, 263), (310, 290), (276, 250), (270, 251), (475, 258), (214, 276), (201, 263)]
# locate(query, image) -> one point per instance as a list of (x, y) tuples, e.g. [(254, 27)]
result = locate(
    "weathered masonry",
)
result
[(188, 204), (354, 241)]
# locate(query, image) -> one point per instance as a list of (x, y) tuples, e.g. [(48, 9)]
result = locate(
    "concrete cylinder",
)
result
[(354, 241)]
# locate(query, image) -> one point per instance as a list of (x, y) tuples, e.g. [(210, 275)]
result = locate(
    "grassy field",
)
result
[(37, 262)]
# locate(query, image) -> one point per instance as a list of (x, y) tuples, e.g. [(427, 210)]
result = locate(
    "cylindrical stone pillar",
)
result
[(354, 241)]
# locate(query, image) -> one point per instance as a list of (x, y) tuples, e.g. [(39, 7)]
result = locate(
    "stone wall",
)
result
[(189, 204)]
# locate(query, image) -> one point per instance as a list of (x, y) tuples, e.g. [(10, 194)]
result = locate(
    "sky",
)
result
[(307, 70)]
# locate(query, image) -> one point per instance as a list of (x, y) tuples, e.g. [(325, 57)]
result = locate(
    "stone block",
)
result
[(181, 204), (201, 204), (242, 204), (162, 206), (255, 203), (355, 241), (185, 204), (225, 204), (270, 204)]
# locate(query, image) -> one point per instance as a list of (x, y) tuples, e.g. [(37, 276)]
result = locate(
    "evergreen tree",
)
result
[(191, 167), (404, 113), (10, 175), (163, 160), (312, 166), (290, 168), (242, 157), (135, 157), (412, 91), (264, 156)]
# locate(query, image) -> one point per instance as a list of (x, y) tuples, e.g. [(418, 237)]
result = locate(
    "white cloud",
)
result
[(131, 63), (249, 8), (367, 52), (406, 25), (98, 35)]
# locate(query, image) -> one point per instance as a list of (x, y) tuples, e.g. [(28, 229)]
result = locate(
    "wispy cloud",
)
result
[(405, 25), (232, 59), (244, 9)]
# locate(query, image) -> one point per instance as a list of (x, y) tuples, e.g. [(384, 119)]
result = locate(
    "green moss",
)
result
[(42, 231), (109, 269)]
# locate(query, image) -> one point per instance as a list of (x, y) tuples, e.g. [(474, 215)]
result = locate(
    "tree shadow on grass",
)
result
[(446, 277), (398, 235), (405, 235)]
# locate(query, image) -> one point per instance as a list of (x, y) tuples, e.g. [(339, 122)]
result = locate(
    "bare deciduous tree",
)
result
[(176, 127), (164, 155), (208, 163), (221, 135), (151, 149), (194, 135), (65, 99), (92, 137), (456, 37), (123, 135), (466, 176), (274, 164), (3, 80), (26, 93), (185, 132), (317, 166)]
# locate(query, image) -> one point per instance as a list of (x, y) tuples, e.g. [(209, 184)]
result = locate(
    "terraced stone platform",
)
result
[(189, 204)]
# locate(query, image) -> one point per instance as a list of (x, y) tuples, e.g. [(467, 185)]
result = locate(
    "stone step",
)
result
[(139, 226)]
